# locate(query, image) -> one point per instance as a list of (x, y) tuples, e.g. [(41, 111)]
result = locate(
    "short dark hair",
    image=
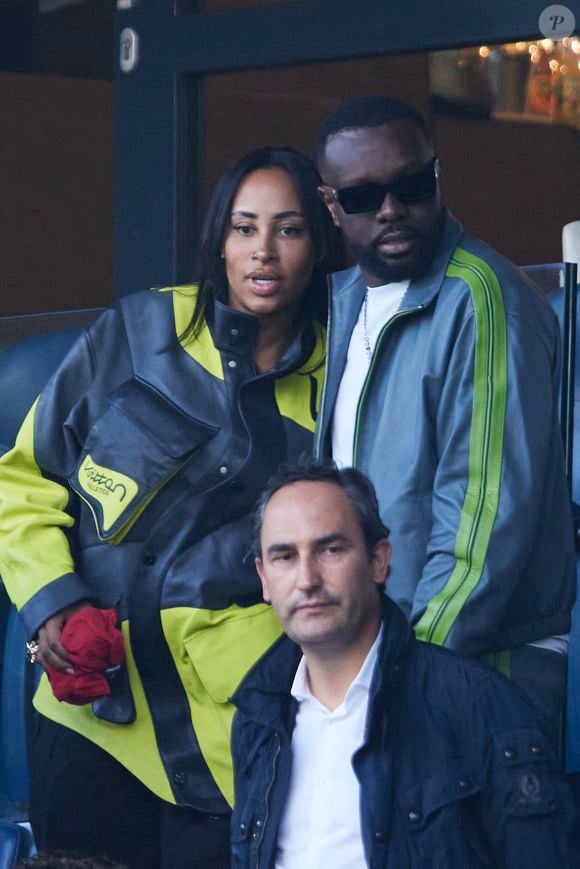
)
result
[(358, 489), (368, 111), (211, 265)]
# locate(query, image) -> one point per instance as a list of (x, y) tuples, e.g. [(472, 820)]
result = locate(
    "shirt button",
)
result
[(234, 332), (223, 470), (232, 363), (380, 836), (464, 783), (538, 750), (414, 816), (179, 777), (509, 753), (149, 559)]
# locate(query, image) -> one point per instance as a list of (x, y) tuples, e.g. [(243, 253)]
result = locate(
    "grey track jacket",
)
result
[(457, 427)]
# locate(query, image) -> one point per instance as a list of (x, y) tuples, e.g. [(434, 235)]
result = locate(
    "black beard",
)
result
[(403, 269), (385, 272)]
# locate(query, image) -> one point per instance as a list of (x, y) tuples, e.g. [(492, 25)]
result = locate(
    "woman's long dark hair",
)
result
[(211, 266)]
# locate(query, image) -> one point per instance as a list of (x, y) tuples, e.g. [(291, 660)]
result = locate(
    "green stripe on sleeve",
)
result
[(502, 661), (485, 447)]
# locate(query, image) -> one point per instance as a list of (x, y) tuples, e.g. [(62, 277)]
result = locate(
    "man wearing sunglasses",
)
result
[(442, 387)]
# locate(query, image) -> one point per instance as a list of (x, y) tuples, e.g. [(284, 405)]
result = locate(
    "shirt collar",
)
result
[(300, 689), (394, 288)]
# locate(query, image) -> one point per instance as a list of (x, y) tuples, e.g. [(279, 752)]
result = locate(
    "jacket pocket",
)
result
[(441, 819), (525, 784), (238, 635), (139, 443)]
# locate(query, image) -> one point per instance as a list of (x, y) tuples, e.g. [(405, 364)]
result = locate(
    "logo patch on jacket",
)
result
[(111, 489), (529, 789)]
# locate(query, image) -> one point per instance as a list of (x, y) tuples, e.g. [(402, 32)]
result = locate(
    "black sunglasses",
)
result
[(415, 187)]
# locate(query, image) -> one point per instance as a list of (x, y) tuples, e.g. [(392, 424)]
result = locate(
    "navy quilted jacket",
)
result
[(455, 771)]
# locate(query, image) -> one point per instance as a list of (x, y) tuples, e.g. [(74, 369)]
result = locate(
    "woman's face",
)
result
[(269, 253)]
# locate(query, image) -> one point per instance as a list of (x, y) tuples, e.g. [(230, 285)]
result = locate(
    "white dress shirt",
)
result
[(320, 823)]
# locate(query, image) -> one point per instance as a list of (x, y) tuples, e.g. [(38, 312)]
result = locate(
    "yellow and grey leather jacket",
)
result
[(131, 484)]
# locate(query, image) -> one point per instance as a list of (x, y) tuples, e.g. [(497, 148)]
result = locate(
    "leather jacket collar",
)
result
[(264, 695), (235, 332)]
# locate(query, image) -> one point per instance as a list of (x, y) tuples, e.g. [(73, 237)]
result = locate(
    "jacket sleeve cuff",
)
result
[(62, 592)]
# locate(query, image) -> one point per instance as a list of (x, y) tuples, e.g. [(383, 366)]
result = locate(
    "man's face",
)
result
[(397, 242), (316, 570)]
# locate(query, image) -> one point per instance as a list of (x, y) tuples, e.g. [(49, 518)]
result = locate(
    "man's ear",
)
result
[(260, 569), (380, 560), (330, 203)]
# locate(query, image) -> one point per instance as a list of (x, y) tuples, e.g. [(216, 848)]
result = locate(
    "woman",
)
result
[(130, 486)]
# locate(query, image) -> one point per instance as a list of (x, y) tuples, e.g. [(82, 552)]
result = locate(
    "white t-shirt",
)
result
[(320, 824), (382, 303)]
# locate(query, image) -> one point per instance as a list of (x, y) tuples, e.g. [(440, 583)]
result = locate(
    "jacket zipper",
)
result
[(375, 356), (267, 798), (320, 420)]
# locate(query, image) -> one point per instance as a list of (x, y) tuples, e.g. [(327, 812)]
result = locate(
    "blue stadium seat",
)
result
[(15, 844), (25, 367)]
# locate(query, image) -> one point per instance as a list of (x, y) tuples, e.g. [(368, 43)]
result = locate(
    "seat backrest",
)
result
[(25, 367), (15, 844)]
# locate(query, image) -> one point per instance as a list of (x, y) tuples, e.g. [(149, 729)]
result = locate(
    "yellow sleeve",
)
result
[(34, 549)]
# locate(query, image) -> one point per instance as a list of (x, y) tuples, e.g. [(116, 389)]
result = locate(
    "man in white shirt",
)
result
[(356, 745), (443, 387)]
